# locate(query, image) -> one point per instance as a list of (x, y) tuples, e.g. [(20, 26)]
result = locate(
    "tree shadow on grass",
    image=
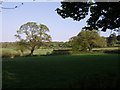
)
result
[(9, 80), (97, 81), (112, 51), (60, 52)]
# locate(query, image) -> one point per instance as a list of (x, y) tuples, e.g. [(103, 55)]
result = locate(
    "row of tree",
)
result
[(32, 36), (86, 40), (103, 16)]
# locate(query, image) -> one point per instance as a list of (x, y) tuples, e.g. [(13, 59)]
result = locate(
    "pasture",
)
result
[(12, 52), (62, 71), (8, 52)]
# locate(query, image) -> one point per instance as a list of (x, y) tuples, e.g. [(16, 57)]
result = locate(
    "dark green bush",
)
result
[(112, 51), (60, 52), (67, 52)]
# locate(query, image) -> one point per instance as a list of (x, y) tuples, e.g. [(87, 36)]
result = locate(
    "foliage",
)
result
[(67, 44), (4, 45), (74, 43), (118, 37), (102, 42), (60, 52), (74, 10), (7, 44), (112, 39), (35, 35), (13, 52), (21, 46), (104, 15), (9, 53), (57, 45), (87, 40), (52, 45)]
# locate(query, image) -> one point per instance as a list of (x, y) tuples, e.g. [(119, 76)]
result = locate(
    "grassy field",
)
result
[(107, 48), (65, 71), (8, 52)]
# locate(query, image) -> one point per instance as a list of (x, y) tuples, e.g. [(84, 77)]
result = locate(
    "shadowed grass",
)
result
[(65, 71)]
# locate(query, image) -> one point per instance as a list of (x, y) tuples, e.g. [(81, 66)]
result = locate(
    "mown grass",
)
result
[(9, 52), (107, 48), (42, 51), (65, 71)]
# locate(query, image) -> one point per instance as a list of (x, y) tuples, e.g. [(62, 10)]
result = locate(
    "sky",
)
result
[(43, 13)]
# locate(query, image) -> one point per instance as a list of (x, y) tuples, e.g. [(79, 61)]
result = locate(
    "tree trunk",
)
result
[(32, 50), (84, 49), (21, 53), (90, 49)]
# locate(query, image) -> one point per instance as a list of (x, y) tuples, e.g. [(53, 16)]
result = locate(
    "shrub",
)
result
[(60, 52), (48, 53), (66, 52)]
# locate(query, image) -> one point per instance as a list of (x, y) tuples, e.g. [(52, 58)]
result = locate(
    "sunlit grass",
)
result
[(107, 48), (42, 51), (13, 52)]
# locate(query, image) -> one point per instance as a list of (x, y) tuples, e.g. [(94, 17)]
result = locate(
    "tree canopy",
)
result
[(111, 40), (87, 40), (35, 35), (103, 15)]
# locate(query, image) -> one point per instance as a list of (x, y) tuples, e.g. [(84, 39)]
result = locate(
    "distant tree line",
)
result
[(86, 40), (31, 36), (108, 42)]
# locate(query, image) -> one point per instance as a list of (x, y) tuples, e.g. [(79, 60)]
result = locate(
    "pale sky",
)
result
[(42, 13)]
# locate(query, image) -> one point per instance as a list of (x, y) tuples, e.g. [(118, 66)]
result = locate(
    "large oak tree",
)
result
[(35, 35), (87, 40)]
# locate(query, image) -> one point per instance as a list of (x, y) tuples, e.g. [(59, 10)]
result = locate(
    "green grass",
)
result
[(42, 51), (107, 48), (65, 71), (8, 52)]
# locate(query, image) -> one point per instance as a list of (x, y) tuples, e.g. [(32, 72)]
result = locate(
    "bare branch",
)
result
[(11, 7)]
